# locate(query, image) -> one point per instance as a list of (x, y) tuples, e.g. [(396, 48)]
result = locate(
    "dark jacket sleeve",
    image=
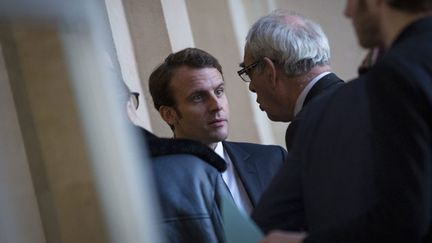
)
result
[(284, 189)]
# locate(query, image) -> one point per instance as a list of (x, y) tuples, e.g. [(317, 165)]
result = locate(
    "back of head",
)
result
[(295, 43), (413, 6), (160, 78)]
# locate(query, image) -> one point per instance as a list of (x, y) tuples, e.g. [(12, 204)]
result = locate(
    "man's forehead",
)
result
[(204, 85), (247, 59), (187, 73), (193, 79)]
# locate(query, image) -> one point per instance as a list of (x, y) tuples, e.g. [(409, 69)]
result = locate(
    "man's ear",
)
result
[(168, 114), (270, 71)]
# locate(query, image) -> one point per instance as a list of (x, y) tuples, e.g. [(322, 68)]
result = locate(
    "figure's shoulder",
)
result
[(173, 163), (254, 147)]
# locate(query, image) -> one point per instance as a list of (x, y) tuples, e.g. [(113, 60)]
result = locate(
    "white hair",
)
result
[(290, 40)]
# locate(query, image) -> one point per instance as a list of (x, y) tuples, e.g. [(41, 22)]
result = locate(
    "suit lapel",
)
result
[(246, 169)]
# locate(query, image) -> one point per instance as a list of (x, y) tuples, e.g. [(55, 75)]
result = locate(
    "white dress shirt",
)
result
[(233, 182), (300, 100)]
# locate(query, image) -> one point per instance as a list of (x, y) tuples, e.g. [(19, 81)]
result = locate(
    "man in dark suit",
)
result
[(287, 64), (188, 90), (361, 166)]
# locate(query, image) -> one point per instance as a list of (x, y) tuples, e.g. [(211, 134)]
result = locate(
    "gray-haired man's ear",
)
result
[(270, 70)]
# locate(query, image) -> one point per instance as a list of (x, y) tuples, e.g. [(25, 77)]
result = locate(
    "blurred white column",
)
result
[(125, 53), (176, 15), (240, 11), (118, 156), (214, 32)]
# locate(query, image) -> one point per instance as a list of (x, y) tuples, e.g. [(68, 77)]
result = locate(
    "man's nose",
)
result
[(215, 103), (348, 9), (252, 87)]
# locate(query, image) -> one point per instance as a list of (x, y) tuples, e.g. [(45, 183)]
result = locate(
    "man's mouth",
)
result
[(218, 122), (259, 105)]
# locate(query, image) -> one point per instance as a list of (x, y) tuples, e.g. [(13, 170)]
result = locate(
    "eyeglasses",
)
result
[(243, 73), (134, 99)]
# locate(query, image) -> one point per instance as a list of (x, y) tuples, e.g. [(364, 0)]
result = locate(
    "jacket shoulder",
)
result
[(254, 148)]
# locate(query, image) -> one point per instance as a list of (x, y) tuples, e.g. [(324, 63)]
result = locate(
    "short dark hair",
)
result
[(160, 78), (413, 6)]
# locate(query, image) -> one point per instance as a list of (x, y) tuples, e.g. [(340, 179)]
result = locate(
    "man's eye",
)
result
[(219, 92), (196, 98)]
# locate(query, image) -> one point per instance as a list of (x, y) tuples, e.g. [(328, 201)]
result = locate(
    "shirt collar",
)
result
[(305, 91), (220, 150)]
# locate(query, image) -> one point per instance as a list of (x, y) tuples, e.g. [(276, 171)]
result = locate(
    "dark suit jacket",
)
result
[(255, 164), (360, 169), (326, 84)]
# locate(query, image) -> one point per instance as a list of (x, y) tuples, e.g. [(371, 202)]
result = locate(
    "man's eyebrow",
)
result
[(242, 65), (196, 92)]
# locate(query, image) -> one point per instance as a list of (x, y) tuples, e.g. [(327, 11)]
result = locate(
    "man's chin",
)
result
[(368, 40), (279, 118), (271, 117), (220, 136)]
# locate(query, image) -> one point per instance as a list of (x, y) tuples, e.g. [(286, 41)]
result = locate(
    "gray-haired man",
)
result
[(287, 64)]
